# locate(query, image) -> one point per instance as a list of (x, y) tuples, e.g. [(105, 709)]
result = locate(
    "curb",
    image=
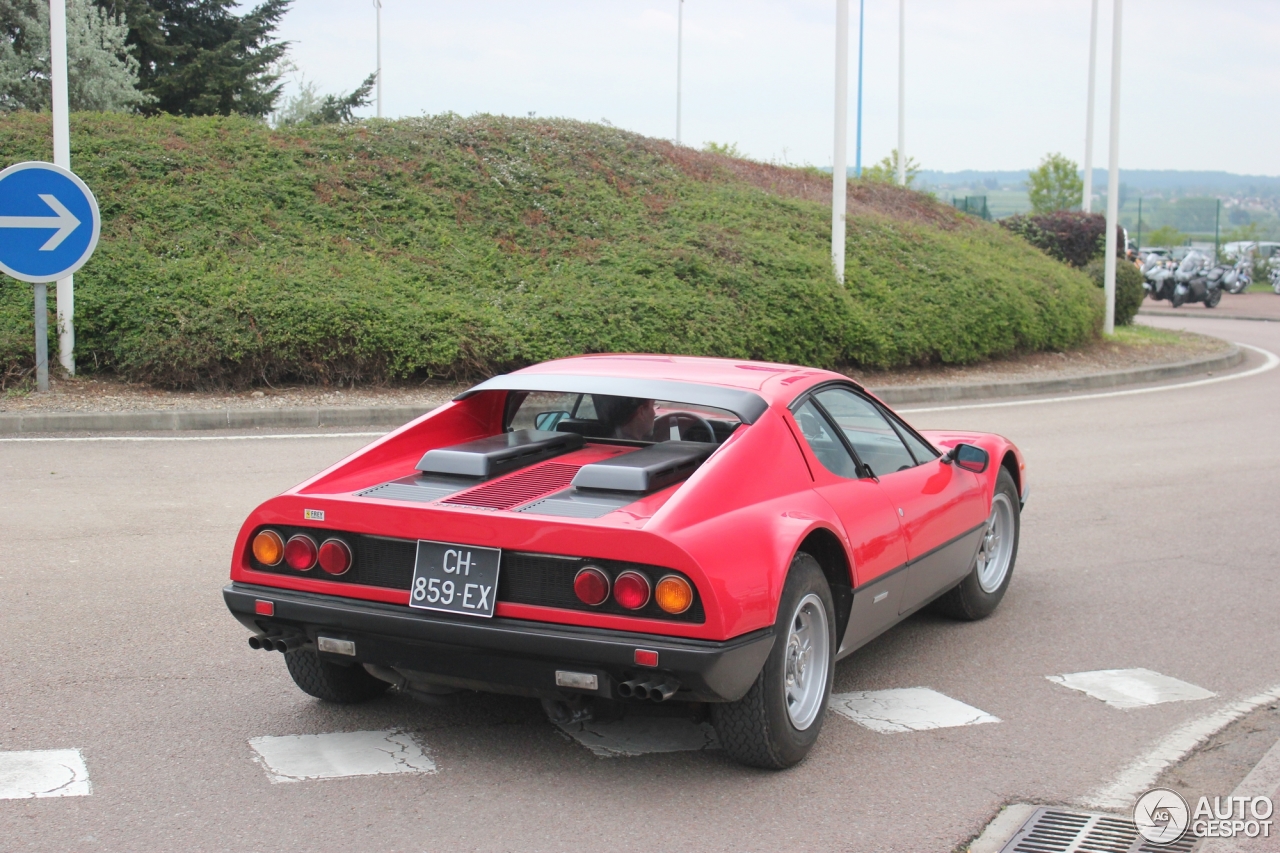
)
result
[(1143, 312), (18, 424), (945, 393)]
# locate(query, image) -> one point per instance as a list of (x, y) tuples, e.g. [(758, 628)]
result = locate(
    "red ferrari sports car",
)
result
[(631, 528)]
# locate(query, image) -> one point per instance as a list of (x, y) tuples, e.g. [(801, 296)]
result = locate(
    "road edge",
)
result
[(20, 423)]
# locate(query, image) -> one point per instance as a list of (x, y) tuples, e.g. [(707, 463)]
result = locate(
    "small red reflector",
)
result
[(264, 608), (645, 657)]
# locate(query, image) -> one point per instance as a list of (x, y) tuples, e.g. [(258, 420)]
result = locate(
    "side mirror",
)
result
[(968, 457), (548, 420)]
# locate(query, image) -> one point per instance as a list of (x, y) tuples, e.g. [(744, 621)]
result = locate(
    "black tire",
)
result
[(968, 600), (1212, 300), (332, 682), (757, 730), (1177, 299)]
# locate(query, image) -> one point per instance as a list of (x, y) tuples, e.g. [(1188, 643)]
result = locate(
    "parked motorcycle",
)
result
[(1274, 275), (1233, 278), (1157, 274), (1192, 283)]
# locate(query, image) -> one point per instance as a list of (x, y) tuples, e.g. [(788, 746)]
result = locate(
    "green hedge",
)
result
[(443, 246), (1129, 289)]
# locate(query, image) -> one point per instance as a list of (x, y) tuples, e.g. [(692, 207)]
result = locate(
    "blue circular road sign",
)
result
[(49, 222)]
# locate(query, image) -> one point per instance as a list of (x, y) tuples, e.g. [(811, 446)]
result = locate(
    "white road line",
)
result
[(637, 735), (295, 758), (1131, 688), (907, 709), (43, 773), (1272, 360), (1139, 776), (201, 437)]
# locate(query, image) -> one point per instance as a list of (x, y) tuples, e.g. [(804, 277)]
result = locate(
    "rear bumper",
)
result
[(502, 655)]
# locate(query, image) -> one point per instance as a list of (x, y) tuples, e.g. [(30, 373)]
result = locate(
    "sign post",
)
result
[(62, 157), (49, 225)]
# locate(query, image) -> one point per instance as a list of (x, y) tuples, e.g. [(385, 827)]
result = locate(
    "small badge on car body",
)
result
[(313, 514)]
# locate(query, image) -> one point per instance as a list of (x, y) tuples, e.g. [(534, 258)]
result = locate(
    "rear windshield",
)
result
[(623, 419)]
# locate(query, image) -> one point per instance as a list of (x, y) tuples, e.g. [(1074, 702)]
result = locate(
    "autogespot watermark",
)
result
[(1162, 816)]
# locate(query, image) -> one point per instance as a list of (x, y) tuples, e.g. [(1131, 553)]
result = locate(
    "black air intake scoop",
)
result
[(655, 467), (498, 454)]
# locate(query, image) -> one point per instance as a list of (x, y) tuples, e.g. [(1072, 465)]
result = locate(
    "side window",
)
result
[(875, 441), (827, 447), (921, 451)]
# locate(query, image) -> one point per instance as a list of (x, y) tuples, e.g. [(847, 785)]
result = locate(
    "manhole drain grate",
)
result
[(1062, 831)]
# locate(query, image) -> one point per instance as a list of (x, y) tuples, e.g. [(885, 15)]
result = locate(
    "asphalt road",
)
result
[(1149, 541)]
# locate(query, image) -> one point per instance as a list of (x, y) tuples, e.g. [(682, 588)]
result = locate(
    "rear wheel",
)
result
[(1212, 300), (978, 595), (332, 682), (777, 722)]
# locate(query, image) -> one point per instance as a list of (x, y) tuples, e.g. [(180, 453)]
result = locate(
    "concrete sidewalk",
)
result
[(1262, 781), (1241, 306)]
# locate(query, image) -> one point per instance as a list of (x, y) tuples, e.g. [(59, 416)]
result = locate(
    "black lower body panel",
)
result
[(502, 655)]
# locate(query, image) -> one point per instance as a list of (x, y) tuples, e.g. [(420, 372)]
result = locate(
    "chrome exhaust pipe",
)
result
[(664, 691), (644, 690), (287, 644), (636, 688)]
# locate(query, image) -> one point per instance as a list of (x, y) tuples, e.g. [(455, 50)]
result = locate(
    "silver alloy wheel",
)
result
[(808, 660), (996, 550)]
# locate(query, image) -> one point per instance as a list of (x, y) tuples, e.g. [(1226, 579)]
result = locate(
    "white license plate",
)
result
[(455, 578)]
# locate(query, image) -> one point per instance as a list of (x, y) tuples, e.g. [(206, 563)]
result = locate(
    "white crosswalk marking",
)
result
[(907, 709), (637, 735), (1131, 688), (295, 758), (43, 773)]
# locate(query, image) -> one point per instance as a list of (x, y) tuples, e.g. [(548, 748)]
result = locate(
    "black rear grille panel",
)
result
[(543, 580)]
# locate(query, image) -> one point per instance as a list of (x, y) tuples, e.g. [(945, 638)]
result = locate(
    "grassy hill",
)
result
[(232, 254)]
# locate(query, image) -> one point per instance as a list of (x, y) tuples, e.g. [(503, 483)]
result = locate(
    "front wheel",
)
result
[(777, 722), (1212, 300), (980, 593)]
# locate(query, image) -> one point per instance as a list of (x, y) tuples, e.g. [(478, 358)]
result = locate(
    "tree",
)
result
[(197, 57), (1166, 235), (1055, 185), (308, 108), (886, 171), (728, 149), (101, 73)]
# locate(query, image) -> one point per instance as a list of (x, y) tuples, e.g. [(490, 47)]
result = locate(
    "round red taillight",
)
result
[(591, 586), (300, 552), (631, 590), (335, 556)]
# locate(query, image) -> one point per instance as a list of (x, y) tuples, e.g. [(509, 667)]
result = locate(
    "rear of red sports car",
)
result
[(590, 529)]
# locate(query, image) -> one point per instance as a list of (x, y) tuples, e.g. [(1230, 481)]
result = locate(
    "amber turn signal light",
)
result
[(268, 548), (673, 594)]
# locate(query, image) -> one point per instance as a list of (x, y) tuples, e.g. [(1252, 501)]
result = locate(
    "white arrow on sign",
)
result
[(65, 222)]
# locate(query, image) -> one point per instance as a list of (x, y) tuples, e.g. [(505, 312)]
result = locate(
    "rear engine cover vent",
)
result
[(519, 488), (1066, 831)]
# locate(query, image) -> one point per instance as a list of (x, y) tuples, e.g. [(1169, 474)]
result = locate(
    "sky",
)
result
[(990, 84)]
